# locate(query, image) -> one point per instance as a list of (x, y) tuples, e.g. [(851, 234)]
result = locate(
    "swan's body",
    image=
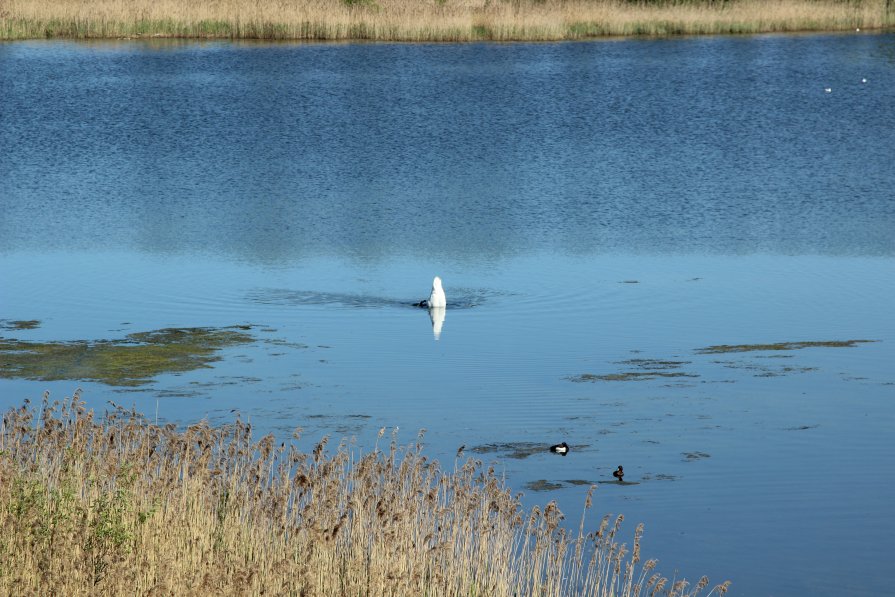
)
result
[(436, 297), (436, 304)]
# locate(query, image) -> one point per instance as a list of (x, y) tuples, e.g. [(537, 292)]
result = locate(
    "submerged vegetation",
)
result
[(649, 369), (628, 376), (645, 369), (132, 361), (516, 450), (19, 324), (118, 505), (431, 20), (725, 348)]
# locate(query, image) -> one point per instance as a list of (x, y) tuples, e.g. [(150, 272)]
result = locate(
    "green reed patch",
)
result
[(132, 361), (725, 348)]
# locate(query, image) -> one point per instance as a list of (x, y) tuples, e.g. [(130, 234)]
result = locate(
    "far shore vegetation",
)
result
[(431, 20), (113, 504)]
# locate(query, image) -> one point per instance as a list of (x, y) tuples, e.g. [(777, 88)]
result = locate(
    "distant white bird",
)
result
[(828, 89), (863, 80)]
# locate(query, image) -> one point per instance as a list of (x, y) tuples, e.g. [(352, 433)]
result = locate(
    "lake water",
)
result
[(599, 213)]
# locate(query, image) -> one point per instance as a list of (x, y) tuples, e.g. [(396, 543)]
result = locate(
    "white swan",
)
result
[(436, 297), (436, 304)]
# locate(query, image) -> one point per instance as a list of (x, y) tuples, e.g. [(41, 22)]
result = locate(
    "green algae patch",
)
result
[(542, 485), (132, 361), (19, 324), (644, 369), (517, 450), (763, 370), (629, 376), (653, 364), (545, 485), (659, 477), (725, 348)]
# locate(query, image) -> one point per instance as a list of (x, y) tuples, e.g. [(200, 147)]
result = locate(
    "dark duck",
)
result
[(619, 474), (562, 448)]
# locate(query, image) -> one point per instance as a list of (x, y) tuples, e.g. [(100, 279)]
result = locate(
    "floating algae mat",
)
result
[(628, 376), (648, 369), (645, 369), (19, 324), (542, 485), (132, 361), (518, 450), (723, 348)]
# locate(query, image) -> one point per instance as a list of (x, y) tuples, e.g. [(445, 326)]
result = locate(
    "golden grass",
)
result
[(123, 506), (428, 20)]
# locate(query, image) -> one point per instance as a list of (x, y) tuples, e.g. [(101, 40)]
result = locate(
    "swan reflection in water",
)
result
[(436, 314)]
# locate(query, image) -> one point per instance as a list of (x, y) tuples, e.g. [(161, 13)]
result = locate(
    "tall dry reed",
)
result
[(119, 505), (429, 20)]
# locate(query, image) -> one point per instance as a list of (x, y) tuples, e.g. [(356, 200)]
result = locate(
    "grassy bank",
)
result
[(430, 20), (123, 506)]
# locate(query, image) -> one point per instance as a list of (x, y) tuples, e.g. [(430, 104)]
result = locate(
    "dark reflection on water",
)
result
[(280, 296), (270, 152)]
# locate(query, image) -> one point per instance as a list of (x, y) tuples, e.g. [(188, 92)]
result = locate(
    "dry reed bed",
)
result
[(120, 506), (429, 20)]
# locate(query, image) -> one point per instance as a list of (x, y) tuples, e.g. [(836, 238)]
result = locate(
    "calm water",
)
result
[(594, 209)]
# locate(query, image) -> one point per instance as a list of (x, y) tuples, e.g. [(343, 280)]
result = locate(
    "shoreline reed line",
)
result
[(431, 20), (116, 504)]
